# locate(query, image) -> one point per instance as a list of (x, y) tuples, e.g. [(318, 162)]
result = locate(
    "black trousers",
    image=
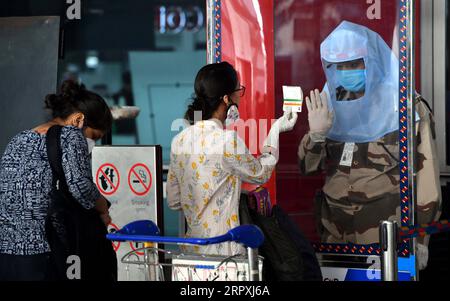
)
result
[(25, 267)]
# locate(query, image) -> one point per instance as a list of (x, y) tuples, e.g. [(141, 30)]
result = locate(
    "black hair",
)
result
[(73, 98), (212, 82)]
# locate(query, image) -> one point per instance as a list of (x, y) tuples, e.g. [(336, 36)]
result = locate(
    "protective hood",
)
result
[(375, 114)]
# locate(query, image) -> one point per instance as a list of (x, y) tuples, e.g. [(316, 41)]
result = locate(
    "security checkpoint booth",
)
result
[(276, 43)]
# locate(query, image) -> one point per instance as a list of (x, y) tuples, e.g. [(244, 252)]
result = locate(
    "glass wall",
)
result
[(300, 28), (131, 53), (144, 54)]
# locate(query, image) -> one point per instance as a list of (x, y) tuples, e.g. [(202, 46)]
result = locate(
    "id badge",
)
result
[(347, 154)]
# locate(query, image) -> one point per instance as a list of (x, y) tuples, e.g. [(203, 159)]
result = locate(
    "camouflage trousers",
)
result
[(341, 221)]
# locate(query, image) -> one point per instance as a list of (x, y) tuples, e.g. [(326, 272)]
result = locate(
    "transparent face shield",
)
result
[(368, 114)]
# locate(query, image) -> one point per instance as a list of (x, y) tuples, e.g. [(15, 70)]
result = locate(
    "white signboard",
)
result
[(130, 177)]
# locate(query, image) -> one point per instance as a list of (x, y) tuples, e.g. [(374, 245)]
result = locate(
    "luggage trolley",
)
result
[(186, 266)]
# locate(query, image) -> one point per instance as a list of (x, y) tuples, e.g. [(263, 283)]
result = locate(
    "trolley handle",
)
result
[(146, 231)]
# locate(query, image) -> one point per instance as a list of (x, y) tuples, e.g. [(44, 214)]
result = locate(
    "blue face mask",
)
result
[(352, 80)]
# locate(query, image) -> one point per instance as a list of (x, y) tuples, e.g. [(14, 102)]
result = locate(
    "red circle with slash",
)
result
[(116, 247), (146, 188), (114, 187)]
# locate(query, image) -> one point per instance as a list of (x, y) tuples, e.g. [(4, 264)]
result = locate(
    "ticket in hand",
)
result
[(292, 98)]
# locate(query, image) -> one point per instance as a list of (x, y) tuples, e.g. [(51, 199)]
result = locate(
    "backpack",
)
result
[(288, 255), (73, 230)]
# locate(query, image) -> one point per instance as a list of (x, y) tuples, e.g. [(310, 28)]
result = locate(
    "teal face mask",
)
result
[(352, 80)]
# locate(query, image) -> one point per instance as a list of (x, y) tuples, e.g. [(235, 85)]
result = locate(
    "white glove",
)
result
[(319, 118), (283, 124), (286, 122), (422, 256)]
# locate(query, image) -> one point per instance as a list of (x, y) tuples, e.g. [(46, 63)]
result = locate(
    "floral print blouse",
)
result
[(207, 167)]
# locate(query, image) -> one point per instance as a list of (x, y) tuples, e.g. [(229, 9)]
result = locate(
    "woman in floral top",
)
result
[(208, 164)]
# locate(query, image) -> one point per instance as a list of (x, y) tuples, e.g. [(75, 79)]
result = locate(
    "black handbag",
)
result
[(288, 255), (73, 230)]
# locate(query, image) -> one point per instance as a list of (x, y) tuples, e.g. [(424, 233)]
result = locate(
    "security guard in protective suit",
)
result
[(353, 136)]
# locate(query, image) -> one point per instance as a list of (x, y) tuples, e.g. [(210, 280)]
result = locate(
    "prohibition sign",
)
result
[(106, 174), (116, 247), (140, 173)]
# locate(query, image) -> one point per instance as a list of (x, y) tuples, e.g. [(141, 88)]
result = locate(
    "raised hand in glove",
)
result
[(319, 118), (283, 124)]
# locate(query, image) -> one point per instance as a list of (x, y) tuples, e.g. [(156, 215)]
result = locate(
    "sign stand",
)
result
[(138, 197)]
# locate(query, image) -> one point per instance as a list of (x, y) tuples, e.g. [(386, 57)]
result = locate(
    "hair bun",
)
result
[(70, 93), (198, 103), (70, 89), (52, 102)]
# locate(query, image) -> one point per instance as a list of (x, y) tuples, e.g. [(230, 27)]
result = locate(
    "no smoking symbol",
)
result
[(140, 179)]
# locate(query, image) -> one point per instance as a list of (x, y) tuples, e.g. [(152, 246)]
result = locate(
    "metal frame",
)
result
[(412, 139), (407, 125), (214, 31), (434, 80), (147, 232), (406, 139), (154, 268), (388, 243)]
